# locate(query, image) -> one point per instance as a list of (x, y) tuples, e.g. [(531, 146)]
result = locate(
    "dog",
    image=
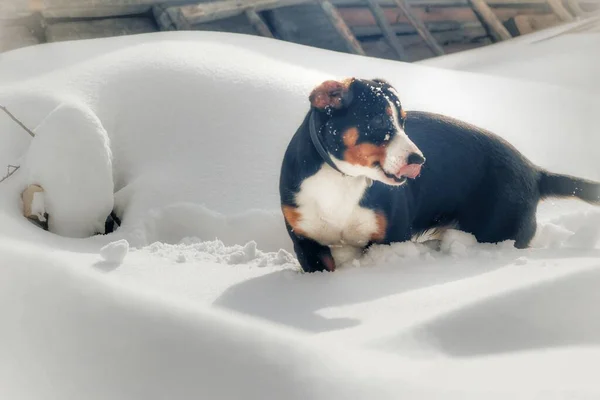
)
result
[(360, 170)]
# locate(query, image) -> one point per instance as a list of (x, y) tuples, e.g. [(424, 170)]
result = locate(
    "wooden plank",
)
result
[(560, 11), (308, 25), (338, 23), (259, 24), (406, 29), (420, 27), (576, 8), (359, 17), (459, 3), (62, 31), (490, 20), (445, 3), (387, 30), (83, 8), (531, 23), (96, 12), (205, 12), (15, 37)]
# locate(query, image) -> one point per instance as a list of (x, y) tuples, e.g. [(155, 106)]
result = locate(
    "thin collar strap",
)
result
[(316, 140)]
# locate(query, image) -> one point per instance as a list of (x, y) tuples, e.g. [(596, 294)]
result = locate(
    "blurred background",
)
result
[(406, 30)]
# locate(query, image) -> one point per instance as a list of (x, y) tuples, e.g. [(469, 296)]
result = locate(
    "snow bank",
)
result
[(71, 334), (553, 56), (70, 159)]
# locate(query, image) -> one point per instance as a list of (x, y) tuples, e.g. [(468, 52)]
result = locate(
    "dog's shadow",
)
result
[(294, 299)]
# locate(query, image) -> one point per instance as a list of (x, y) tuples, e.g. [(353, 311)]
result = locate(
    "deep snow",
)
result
[(198, 293)]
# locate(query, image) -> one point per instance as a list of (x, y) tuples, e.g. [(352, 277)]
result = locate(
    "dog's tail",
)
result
[(558, 185)]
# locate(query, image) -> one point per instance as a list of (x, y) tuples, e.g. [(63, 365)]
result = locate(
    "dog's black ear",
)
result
[(332, 94)]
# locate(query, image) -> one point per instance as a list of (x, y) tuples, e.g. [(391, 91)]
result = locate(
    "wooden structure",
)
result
[(406, 30)]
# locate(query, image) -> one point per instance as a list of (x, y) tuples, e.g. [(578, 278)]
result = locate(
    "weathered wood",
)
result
[(98, 28), (205, 12), (355, 16), (81, 8), (490, 20), (259, 24), (530, 23), (417, 49), (451, 3), (96, 12), (14, 37), (420, 27), (386, 29), (406, 29), (338, 23), (560, 11), (306, 24), (575, 8)]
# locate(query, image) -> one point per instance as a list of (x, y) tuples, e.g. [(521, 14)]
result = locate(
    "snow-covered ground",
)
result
[(198, 294)]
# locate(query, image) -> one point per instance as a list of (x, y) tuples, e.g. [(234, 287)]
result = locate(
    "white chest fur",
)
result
[(328, 204)]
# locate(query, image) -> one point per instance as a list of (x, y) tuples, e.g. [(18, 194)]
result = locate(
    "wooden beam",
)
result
[(447, 3), (405, 29), (420, 27), (338, 23), (362, 17), (575, 8), (207, 12), (560, 11), (489, 20), (259, 24), (386, 29), (457, 3)]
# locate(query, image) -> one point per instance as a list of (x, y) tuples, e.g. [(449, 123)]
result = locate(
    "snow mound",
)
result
[(70, 158), (553, 56), (115, 252), (193, 249)]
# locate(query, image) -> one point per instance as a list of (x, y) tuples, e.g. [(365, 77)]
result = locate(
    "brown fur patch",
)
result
[(379, 235), (293, 217), (389, 111), (403, 113), (330, 94), (365, 154)]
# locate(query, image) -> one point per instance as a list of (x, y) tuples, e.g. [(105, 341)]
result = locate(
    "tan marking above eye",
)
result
[(350, 136), (364, 154)]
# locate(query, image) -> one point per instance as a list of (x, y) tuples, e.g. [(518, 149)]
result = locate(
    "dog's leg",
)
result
[(312, 256), (346, 254)]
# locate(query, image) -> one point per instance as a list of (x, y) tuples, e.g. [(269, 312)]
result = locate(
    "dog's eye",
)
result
[(380, 122)]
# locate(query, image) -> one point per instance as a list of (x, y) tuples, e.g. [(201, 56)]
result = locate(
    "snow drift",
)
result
[(188, 130)]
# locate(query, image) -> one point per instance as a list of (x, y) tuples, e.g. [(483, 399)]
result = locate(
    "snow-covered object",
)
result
[(115, 252), (70, 159)]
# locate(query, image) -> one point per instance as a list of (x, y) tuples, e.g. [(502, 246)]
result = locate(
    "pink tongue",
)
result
[(410, 171)]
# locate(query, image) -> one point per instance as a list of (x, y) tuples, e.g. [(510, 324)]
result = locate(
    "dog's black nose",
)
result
[(415, 158)]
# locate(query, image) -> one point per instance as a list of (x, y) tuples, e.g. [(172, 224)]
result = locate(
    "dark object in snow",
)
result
[(381, 189), (112, 223)]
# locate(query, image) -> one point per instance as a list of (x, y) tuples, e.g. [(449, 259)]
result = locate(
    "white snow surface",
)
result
[(198, 294), (534, 57)]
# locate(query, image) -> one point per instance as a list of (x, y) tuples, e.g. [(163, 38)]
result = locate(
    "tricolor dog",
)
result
[(361, 170)]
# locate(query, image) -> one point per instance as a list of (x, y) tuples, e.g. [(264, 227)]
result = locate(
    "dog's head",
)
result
[(363, 130)]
